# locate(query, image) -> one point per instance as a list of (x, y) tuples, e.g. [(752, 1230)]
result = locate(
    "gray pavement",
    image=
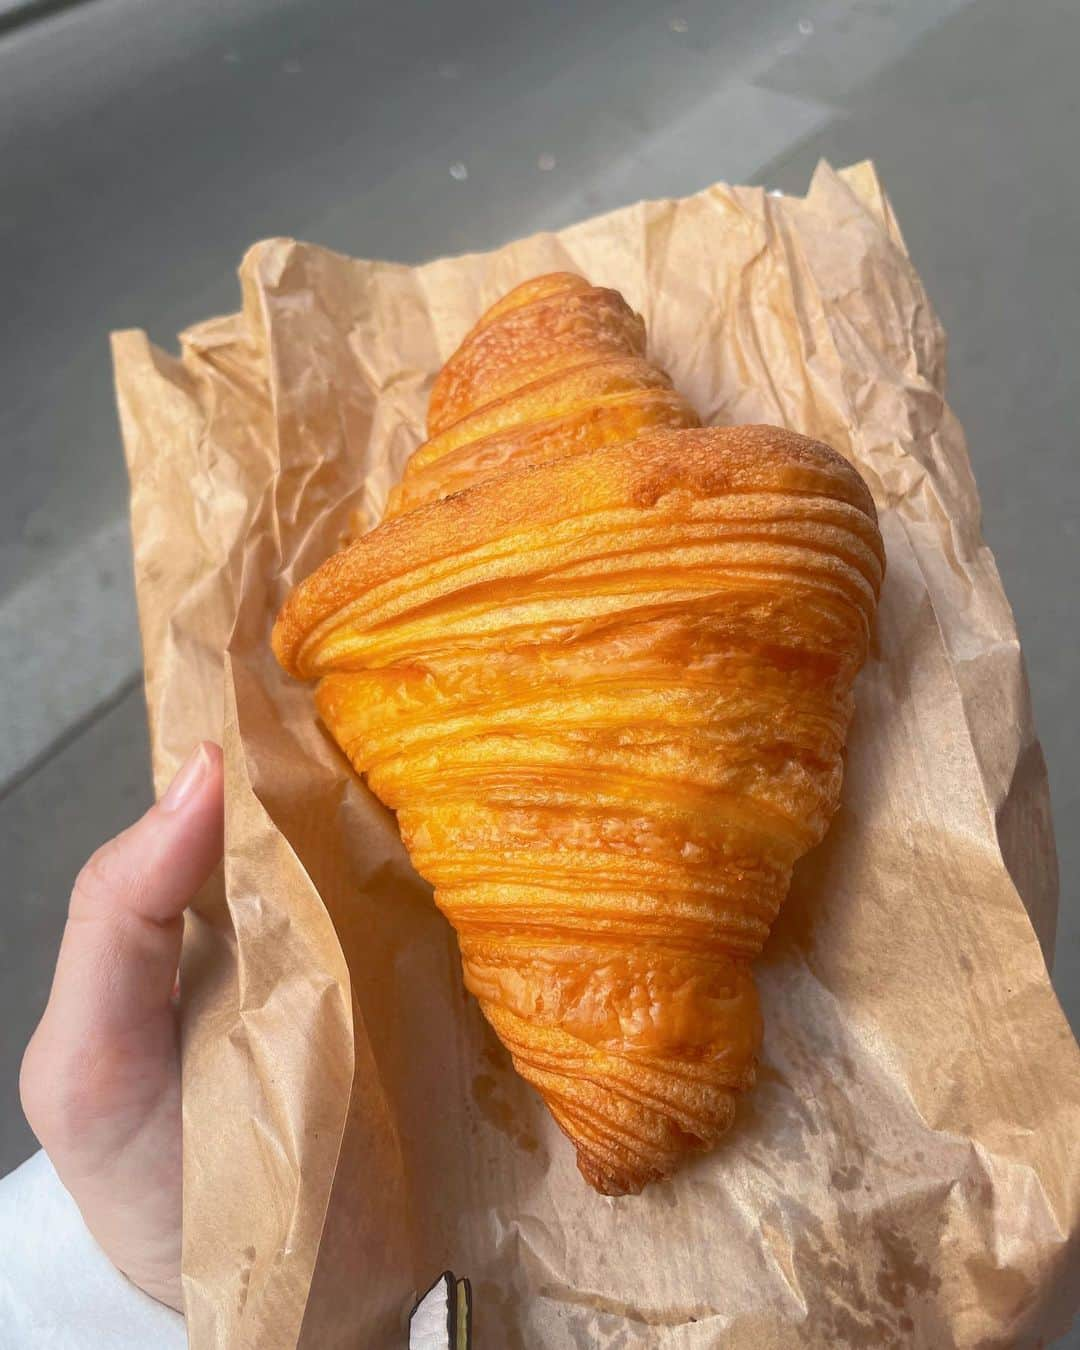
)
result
[(144, 145)]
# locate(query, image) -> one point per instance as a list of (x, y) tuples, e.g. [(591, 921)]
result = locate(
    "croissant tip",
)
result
[(611, 1181)]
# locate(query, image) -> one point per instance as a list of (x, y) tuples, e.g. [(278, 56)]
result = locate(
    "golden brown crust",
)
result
[(601, 403), (705, 464), (545, 326), (605, 686), (557, 366)]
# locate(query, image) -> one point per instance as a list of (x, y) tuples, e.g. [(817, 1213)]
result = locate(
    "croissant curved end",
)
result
[(600, 661)]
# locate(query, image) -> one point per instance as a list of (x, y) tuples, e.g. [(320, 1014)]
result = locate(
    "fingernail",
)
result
[(188, 780)]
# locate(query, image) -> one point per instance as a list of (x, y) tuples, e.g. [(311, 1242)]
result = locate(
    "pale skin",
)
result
[(100, 1081)]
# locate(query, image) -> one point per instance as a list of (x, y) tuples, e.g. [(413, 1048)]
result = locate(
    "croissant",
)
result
[(599, 660)]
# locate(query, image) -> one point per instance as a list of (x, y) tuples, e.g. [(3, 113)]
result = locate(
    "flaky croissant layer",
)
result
[(599, 660)]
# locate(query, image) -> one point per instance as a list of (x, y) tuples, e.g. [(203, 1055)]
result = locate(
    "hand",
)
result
[(100, 1080)]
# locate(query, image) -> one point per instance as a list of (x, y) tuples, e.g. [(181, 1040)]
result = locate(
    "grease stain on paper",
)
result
[(499, 1113), (842, 1307), (846, 1178)]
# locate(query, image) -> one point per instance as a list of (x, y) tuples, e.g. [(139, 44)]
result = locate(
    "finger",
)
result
[(121, 945)]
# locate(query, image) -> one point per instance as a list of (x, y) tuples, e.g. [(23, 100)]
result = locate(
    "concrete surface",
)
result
[(144, 145)]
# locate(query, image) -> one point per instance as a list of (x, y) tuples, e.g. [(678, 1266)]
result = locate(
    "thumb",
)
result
[(118, 958)]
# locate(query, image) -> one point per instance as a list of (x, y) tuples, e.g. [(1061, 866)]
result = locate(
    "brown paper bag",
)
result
[(907, 1171)]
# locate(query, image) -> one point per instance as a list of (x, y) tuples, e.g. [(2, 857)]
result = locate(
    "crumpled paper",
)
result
[(907, 1170)]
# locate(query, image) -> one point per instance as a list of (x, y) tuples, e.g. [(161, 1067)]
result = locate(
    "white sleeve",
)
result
[(58, 1289)]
